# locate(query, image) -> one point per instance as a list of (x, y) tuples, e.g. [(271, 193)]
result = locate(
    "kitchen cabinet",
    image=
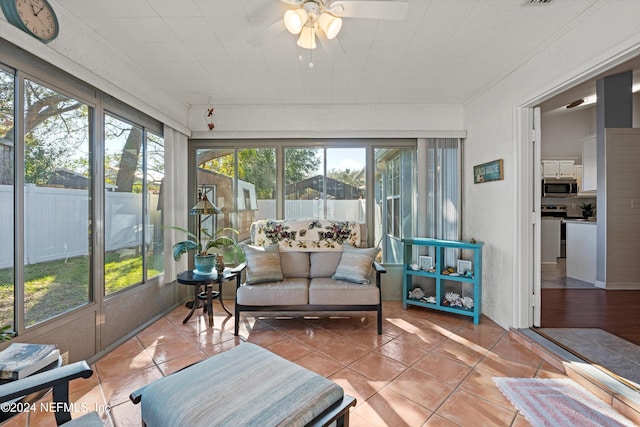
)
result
[(581, 250), (467, 287), (589, 164), (558, 169), (577, 172), (550, 240)]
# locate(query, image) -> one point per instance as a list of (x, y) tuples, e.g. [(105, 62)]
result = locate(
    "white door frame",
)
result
[(526, 247)]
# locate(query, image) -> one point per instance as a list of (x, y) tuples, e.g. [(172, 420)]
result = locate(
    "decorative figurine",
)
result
[(219, 263)]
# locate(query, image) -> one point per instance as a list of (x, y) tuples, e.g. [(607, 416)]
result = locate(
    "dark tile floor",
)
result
[(427, 368)]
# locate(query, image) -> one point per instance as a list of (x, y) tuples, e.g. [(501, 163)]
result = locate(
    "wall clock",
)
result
[(35, 17)]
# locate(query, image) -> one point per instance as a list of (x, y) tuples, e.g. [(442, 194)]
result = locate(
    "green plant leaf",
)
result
[(220, 242), (185, 231), (182, 248), (6, 333)]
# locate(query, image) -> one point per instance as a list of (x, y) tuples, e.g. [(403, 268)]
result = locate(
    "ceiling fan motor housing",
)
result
[(313, 9)]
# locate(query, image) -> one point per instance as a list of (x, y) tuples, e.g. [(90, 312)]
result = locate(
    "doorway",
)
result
[(560, 301)]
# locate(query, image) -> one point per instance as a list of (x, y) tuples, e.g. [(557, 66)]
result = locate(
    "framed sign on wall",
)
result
[(490, 171)]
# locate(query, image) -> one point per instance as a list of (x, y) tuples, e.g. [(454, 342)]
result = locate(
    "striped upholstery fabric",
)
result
[(244, 386), (263, 264), (355, 264)]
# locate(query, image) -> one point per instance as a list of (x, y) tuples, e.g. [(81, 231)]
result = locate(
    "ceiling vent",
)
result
[(534, 2)]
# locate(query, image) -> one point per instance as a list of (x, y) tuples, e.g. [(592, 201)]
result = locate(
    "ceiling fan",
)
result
[(310, 16)]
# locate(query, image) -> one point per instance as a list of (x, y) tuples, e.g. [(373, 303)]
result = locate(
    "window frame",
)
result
[(370, 145)]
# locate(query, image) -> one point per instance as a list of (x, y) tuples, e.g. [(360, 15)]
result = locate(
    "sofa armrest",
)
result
[(237, 270), (379, 268), (58, 379), (52, 378)]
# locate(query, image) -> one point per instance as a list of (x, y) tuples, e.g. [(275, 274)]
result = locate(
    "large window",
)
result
[(57, 182), (242, 183), (64, 163), (7, 159), (395, 194), (304, 183), (134, 167), (325, 183), (370, 181), (154, 264)]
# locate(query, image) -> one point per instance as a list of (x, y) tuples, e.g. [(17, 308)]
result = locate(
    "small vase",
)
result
[(204, 263), (587, 214)]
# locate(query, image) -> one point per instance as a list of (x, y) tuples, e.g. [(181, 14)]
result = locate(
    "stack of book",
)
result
[(20, 360)]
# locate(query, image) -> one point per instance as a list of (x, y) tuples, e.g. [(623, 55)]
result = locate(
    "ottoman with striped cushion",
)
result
[(244, 386)]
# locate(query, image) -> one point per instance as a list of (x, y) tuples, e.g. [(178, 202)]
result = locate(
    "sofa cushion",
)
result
[(244, 386), (293, 291), (324, 264), (263, 264), (355, 264), (326, 291), (295, 264)]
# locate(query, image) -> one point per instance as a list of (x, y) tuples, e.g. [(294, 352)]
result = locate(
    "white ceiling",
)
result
[(237, 51)]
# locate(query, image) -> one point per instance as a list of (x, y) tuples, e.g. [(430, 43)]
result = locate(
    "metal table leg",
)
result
[(195, 304), (220, 298)]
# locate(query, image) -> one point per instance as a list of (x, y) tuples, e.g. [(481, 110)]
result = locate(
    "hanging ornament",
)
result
[(209, 117)]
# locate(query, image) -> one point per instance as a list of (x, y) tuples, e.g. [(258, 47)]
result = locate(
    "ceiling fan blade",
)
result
[(333, 48), (267, 34), (373, 9)]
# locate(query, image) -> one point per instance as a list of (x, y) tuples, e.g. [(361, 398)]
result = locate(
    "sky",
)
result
[(345, 158)]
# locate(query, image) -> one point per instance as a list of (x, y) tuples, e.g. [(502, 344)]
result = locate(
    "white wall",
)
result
[(338, 121), (562, 133), (495, 212)]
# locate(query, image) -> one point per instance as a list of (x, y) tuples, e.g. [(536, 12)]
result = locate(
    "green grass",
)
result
[(54, 287)]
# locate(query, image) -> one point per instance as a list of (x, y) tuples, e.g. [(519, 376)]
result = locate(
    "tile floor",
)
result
[(427, 368), (554, 276)]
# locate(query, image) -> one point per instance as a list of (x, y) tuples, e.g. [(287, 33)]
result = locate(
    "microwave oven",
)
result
[(559, 187)]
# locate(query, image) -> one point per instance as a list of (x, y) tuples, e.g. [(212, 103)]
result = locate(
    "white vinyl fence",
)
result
[(57, 220), (56, 223), (352, 210)]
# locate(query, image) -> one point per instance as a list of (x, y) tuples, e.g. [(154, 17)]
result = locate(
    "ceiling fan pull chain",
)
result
[(313, 36)]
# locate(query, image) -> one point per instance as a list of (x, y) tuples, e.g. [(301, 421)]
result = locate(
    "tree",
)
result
[(300, 163), (57, 135), (55, 127), (126, 176), (348, 176)]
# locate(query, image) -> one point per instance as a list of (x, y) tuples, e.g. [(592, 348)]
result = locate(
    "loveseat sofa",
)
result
[(309, 265)]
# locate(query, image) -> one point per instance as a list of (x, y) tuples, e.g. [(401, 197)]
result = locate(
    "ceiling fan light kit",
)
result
[(294, 20), (307, 18), (330, 24), (310, 16), (307, 39)]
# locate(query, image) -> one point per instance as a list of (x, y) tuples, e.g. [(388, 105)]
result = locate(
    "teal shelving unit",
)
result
[(464, 286)]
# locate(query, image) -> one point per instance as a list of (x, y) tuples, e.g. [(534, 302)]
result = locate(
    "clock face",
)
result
[(37, 18)]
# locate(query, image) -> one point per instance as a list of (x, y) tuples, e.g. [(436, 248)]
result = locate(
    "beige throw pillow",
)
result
[(355, 264), (263, 264)]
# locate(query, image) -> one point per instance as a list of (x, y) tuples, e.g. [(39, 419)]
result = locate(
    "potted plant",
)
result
[(587, 210), (204, 260), (6, 334)]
